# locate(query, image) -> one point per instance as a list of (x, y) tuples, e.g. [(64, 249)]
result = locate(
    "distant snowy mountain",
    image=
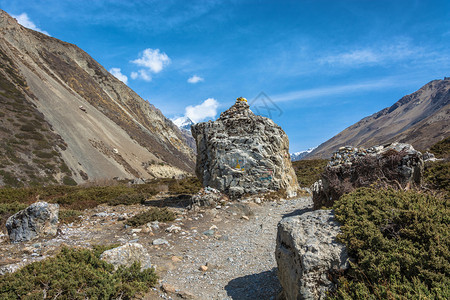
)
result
[(299, 155), (183, 123)]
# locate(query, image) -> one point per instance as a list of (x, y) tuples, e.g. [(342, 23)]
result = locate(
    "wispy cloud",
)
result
[(207, 109), (334, 90), (142, 74), (374, 55), (195, 79), (116, 72), (25, 21)]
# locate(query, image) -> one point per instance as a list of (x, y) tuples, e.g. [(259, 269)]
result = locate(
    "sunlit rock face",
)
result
[(242, 153)]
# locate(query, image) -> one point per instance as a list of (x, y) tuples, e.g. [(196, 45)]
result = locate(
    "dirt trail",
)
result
[(236, 243)]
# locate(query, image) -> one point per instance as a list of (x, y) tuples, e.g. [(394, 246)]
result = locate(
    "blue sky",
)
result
[(325, 64)]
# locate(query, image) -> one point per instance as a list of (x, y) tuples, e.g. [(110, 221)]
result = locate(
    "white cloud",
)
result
[(116, 72), (152, 59), (25, 21), (195, 79), (208, 109)]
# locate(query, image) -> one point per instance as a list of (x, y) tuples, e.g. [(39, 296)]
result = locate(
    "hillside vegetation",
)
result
[(400, 241), (76, 274), (308, 170), (74, 199)]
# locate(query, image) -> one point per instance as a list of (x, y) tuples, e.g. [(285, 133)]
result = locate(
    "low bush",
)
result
[(308, 171), (441, 149), (153, 214), (67, 216), (128, 199), (437, 175), (76, 274), (67, 180), (8, 209), (190, 185), (400, 242)]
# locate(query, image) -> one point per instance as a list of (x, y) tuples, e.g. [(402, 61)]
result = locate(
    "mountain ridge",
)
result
[(421, 119)]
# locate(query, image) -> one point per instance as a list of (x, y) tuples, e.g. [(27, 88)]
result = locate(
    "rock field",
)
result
[(226, 252)]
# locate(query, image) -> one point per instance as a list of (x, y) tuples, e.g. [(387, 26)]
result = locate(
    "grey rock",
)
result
[(243, 153), (126, 255), (160, 242), (306, 252), (209, 232), (38, 219)]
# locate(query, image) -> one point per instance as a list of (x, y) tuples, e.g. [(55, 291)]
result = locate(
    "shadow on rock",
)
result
[(297, 212), (263, 285)]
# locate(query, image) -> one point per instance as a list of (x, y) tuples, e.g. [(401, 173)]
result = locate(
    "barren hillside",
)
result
[(117, 134)]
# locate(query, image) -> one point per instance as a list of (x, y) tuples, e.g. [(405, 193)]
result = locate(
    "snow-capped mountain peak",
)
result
[(299, 155), (183, 123)]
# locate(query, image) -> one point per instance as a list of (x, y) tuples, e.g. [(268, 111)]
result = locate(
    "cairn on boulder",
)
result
[(38, 219), (242, 153), (308, 254), (396, 165)]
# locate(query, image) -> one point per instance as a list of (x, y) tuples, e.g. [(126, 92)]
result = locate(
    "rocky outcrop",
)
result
[(307, 254), (396, 165), (126, 255), (242, 153), (38, 219)]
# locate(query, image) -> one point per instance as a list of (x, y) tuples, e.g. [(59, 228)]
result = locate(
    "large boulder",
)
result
[(242, 153), (38, 219), (308, 254), (395, 165), (126, 255)]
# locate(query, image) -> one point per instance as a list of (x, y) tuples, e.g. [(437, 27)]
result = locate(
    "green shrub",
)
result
[(153, 214), (67, 216), (437, 175), (8, 209), (190, 185), (67, 180), (400, 242), (441, 149), (128, 199), (308, 171), (76, 274)]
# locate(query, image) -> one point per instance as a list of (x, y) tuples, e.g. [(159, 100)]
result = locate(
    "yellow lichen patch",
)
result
[(241, 99)]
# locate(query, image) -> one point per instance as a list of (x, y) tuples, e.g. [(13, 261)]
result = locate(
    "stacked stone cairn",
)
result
[(243, 153)]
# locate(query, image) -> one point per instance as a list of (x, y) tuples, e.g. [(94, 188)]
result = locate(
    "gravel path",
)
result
[(241, 263), (236, 243)]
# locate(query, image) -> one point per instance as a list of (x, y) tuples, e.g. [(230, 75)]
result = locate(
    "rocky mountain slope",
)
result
[(65, 117), (421, 119)]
